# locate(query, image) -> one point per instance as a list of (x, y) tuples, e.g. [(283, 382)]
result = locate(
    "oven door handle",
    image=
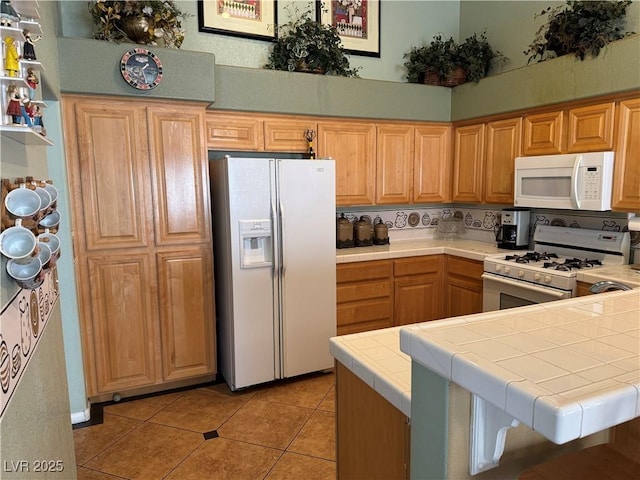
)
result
[(529, 286)]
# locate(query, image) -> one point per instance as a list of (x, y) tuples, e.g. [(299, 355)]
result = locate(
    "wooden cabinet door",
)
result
[(394, 168), (626, 173), (463, 286), (583, 289), (186, 312), (503, 146), (287, 135), (179, 175), (468, 159), (353, 147), (591, 128), (544, 133), (372, 436), (123, 342), (418, 289), (229, 131), (108, 163), (432, 164)]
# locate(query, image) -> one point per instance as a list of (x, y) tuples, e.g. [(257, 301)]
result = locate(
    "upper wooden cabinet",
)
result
[(503, 145), (178, 167), (432, 164), (287, 135), (626, 181), (353, 147), (394, 166), (233, 131), (543, 133), (468, 160), (574, 129), (591, 128)]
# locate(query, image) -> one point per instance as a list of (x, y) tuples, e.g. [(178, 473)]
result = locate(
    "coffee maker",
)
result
[(513, 231)]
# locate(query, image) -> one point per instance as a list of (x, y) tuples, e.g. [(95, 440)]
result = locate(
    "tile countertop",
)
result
[(622, 273), (471, 249), (566, 369)]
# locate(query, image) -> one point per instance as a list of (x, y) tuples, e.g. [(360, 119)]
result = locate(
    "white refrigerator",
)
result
[(275, 258)]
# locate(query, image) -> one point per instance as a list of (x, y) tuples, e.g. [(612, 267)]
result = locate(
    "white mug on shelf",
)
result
[(27, 272), (17, 242), (52, 241), (23, 202), (50, 221)]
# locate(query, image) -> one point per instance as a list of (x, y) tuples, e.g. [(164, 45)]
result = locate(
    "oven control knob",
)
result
[(498, 268), (507, 269), (537, 277), (547, 279), (521, 273)]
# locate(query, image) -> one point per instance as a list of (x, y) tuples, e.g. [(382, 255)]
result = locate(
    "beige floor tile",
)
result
[(142, 409), (269, 424), (303, 392), (329, 401), (292, 466), (86, 474), (224, 459), (318, 437), (90, 441), (149, 452), (199, 410)]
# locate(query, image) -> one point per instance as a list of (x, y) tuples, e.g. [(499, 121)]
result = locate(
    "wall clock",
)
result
[(141, 69)]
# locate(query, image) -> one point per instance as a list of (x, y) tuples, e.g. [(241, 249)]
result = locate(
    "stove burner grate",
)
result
[(531, 257), (572, 264)]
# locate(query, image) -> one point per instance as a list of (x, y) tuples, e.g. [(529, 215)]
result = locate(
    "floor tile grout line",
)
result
[(112, 444)]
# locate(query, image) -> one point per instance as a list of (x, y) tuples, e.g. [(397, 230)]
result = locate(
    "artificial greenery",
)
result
[(164, 17), (304, 44), (442, 56), (578, 27)]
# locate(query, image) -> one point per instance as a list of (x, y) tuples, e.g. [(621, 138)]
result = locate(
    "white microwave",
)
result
[(576, 181)]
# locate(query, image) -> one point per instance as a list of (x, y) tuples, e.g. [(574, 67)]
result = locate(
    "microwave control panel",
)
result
[(591, 182)]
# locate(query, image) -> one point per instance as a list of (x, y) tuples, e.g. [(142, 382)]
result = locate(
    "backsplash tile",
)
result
[(420, 221)]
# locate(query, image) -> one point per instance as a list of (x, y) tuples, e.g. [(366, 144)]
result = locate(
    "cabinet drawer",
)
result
[(464, 267), (358, 271), (364, 312), (363, 291), (417, 265)]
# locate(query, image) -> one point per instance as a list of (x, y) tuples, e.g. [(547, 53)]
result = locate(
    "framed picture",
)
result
[(357, 22), (239, 18)]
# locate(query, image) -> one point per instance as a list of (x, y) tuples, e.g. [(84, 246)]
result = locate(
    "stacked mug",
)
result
[(29, 241)]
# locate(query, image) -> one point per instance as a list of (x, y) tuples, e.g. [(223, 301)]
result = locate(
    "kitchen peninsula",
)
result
[(481, 347)]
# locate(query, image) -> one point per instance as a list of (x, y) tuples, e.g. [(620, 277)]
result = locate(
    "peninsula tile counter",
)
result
[(565, 369)]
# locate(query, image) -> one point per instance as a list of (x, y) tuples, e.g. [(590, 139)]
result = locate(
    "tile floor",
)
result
[(283, 430)]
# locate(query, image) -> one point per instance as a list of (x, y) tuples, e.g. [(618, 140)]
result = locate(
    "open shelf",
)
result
[(24, 135)]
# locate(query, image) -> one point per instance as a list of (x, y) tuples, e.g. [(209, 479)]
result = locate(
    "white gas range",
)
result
[(549, 271)]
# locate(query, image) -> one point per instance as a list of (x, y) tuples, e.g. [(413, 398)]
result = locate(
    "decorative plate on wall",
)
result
[(141, 69)]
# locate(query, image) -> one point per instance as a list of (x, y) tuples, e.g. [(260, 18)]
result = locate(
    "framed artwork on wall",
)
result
[(254, 19), (357, 23)]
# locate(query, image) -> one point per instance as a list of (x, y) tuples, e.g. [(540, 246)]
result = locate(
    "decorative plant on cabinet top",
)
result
[(445, 63), (579, 27), (149, 22), (305, 45)]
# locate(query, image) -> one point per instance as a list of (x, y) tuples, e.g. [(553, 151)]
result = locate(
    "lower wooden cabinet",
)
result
[(364, 296), (373, 437), (418, 289), (463, 286), (583, 289)]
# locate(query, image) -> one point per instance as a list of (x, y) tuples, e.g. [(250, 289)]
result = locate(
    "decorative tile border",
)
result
[(22, 324), (480, 222)]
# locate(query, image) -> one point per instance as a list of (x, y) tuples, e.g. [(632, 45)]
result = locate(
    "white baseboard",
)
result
[(79, 417)]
